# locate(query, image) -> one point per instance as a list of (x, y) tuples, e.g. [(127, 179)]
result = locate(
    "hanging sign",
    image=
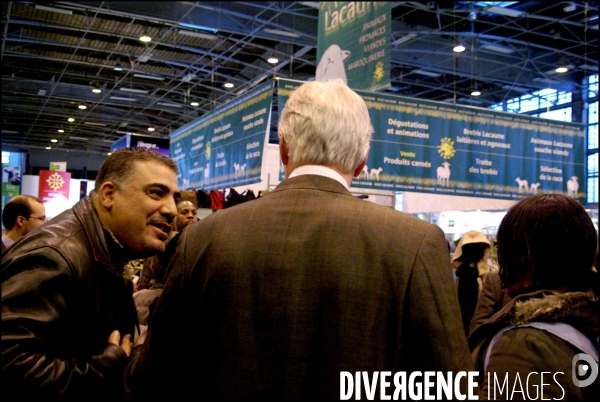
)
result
[(224, 148), (354, 43), (53, 183), (435, 147)]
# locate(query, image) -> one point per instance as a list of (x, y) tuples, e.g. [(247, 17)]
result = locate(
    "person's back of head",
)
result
[(546, 241), (327, 124)]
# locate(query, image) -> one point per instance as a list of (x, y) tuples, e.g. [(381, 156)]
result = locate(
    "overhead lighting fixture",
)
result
[(509, 12), (144, 58), (41, 92), (404, 38), (200, 27), (53, 140), (78, 138), (570, 7), (123, 99), (228, 85), (48, 147), (90, 123), (145, 37), (168, 104), (198, 35), (109, 153), (118, 66), (427, 73), (194, 103), (273, 60), (149, 77), (475, 92), (96, 89), (55, 10), (282, 33), (70, 120), (151, 129), (60, 130), (561, 69), (137, 91), (188, 77), (459, 48), (497, 48), (82, 107)]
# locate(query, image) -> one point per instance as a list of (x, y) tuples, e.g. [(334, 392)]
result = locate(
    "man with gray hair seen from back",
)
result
[(21, 215), (68, 316), (274, 299)]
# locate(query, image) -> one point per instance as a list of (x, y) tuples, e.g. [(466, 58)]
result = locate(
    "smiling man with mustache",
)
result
[(68, 316)]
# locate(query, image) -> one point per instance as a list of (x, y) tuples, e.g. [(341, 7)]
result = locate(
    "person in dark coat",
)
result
[(68, 316), (546, 249), (273, 298)]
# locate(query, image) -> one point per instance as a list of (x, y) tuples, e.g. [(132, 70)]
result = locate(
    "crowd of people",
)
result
[(274, 298)]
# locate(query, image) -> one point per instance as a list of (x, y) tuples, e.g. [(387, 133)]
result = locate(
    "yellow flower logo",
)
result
[(379, 72), (446, 148), (207, 152), (55, 181)]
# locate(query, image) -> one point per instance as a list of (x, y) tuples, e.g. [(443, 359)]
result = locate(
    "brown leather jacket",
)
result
[(63, 293)]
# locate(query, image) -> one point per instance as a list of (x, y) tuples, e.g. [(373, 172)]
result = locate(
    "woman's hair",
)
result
[(549, 240), (328, 124)]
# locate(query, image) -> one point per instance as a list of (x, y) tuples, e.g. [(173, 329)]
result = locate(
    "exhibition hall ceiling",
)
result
[(55, 53)]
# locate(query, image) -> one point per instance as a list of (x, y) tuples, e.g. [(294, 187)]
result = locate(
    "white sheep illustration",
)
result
[(243, 169), (376, 173), (573, 186), (236, 166), (206, 171), (365, 170), (523, 185), (443, 174), (534, 187), (331, 64)]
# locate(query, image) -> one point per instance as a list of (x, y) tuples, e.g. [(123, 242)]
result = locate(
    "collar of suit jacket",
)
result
[(319, 171)]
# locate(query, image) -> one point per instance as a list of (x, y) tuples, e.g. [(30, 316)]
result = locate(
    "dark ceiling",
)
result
[(51, 60)]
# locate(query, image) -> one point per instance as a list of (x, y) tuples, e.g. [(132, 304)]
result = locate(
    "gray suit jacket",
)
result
[(273, 298)]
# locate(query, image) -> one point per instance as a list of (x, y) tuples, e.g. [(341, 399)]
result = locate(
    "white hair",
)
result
[(326, 123)]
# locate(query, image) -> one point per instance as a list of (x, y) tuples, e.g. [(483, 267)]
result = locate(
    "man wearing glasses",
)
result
[(21, 215)]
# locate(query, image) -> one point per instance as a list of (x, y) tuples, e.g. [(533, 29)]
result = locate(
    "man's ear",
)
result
[(360, 167), (283, 150), (20, 222), (106, 194)]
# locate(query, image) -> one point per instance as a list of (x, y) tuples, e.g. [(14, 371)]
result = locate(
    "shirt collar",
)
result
[(319, 171)]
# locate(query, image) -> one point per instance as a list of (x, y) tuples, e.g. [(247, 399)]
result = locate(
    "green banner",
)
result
[(11, 180), (224, 148), (435, 147), (354, 43)]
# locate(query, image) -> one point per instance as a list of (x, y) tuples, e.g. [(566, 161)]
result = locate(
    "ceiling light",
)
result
[(228, 85), (60, 130), (475, 92), (137, 91), (168, 104), (123, 99), (78, 138), (427, 73), (195, 103), (53, 140), (282, 33), (149, 77), (82, 107), (109, 153), (48, 147), (55, 10), (509, 12), (404, 38), (561, 69), (90, 123), (570, 7), (118, 66), (459, 48), (41, 92), (151, 129), (273, 60), (498, 48), (197, 35), (145, 37), (70, 120), (188, 77), (96, 89)]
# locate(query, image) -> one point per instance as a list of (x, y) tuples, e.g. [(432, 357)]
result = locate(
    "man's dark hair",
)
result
[(15, 207), (119, 165), (549, 237)]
